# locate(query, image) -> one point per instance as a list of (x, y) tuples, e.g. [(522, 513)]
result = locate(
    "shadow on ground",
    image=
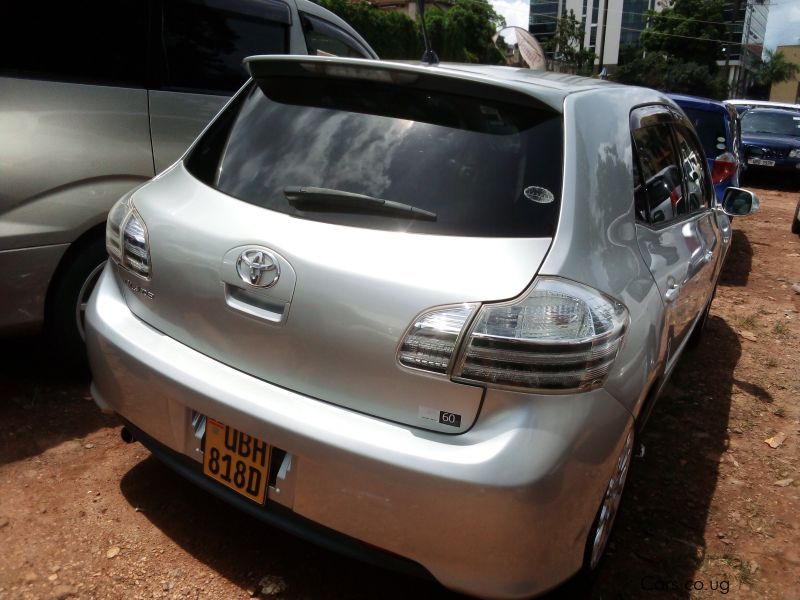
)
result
[(737, 267), (783, 182), (659, 540), (42, 403)]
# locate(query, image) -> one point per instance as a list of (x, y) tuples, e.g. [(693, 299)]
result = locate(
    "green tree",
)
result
[(566, 45), (776, 69), (392, 35), (462, 33), (681, 46)]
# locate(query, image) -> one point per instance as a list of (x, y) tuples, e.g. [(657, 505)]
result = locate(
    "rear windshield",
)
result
[(710, 127), (485, 168)]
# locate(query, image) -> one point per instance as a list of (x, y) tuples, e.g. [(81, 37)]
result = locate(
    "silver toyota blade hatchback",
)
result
[(413, 308)]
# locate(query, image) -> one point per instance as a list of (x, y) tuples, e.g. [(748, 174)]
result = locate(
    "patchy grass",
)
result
[(780, 329), (770, 362), (749, 321), (741, 568)]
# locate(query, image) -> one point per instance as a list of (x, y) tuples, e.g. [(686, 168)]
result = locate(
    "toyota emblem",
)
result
[(258, 267)]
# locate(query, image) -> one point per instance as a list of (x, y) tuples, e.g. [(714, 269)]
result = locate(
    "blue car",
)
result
[(717, 126), (771, 140)]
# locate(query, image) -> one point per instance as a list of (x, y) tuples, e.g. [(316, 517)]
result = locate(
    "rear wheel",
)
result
[(699, 328), (604, 521), (70, 296)]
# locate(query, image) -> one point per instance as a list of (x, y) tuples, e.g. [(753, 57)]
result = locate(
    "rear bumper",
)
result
[(503, 510), (782, 165)]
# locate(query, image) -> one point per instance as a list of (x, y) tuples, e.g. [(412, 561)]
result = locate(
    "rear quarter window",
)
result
[(485, 168), (711, 128)]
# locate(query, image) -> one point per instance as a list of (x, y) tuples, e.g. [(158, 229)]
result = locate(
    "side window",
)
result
[(326, 39), (93, 41), (698, 192), (661, 190), (204, 43)]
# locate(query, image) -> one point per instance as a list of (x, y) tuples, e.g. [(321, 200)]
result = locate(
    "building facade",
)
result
[(788, 91), (625, 20)]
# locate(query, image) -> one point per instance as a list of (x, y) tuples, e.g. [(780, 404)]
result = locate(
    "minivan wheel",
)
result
[(604, 521), (69, 298)]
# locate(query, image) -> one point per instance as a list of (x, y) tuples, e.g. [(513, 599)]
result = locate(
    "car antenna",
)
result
[(429, 56)]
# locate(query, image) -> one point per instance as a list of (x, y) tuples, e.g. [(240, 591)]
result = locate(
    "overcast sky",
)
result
[(516, 11), (783, 26)]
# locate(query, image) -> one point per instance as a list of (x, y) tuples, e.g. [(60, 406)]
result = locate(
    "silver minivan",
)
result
[(419, 311), (96, 97)]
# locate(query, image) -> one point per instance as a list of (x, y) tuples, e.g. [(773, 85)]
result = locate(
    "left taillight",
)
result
[(724, 167), (126, 238)]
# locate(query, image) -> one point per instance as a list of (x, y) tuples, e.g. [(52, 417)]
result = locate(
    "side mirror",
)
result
[(739, 203)]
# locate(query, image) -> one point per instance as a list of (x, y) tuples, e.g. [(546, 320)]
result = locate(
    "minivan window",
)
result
[(93, 41), (660, 173), (325, 39), (485, 168), (204, 43)]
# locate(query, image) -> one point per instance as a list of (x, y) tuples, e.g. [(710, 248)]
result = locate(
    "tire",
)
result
[(603, 523), (697, 333), (796, 219), (70, 291)]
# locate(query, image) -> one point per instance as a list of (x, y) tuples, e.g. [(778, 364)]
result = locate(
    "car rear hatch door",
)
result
[(316, 294)]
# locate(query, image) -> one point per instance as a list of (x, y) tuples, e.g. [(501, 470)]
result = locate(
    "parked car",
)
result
[(366, 310), (744, 105), (771, 140), (717, 126), (96, 98)]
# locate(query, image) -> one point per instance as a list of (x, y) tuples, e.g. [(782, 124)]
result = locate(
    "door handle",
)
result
[(672, 292)]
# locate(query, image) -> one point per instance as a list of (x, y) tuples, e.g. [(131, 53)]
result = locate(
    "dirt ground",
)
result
[(711, 509)]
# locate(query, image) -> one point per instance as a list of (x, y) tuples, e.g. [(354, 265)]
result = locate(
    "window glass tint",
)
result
[(694, 172), (485, 168), (90, 41), (710, 128), (204, 45), (325, 39), (661, 175)]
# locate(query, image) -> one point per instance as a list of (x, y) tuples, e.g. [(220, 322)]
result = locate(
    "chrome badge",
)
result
[(258, 267)]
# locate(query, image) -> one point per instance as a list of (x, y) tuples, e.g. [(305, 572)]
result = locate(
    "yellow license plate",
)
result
[(236, 460)]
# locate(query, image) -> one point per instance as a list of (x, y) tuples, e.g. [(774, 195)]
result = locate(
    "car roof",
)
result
[(700, 103), (549, 88), (763, 104), (771, 111)]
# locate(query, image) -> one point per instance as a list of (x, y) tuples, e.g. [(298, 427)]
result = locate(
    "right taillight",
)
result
[(561, 336), (724, 167)]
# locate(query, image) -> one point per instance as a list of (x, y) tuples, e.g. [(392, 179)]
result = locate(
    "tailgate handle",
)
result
[(255, 304)]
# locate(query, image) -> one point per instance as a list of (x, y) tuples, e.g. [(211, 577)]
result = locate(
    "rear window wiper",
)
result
[(311, 198)]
